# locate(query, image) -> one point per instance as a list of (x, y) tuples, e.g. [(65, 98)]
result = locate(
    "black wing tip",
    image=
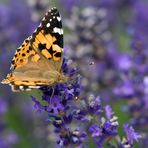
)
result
[(51, 12), (53, 9)]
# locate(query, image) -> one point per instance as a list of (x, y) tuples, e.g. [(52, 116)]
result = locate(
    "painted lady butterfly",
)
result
[(37, 62)]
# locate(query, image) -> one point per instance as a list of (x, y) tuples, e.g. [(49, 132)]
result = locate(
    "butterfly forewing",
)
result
[(48, 38)]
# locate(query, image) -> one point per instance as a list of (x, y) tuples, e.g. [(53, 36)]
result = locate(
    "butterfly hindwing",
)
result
[(22, 54)]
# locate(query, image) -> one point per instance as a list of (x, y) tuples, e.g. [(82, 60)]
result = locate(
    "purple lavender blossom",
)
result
[(108, 111), (37, 105), (95, 130), (75, 120), (131, 134), (55, 105)]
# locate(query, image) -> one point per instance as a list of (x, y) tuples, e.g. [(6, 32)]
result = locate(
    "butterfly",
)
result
[(38, 61)]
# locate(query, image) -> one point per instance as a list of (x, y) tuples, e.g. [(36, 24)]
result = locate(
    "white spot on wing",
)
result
[(58, 18), (21, 87), (58, 30), (48, 25), (33, 87)]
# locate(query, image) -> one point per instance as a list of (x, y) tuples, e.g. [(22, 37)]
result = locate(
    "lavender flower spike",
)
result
[(76, 120)]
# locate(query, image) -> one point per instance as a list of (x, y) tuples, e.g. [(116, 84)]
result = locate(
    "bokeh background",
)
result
[(106, 39)]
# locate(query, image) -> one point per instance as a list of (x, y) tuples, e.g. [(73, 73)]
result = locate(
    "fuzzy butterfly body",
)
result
[(37, 62)]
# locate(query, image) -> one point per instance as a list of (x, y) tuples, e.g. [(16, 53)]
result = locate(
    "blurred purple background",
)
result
[(110, 33)]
